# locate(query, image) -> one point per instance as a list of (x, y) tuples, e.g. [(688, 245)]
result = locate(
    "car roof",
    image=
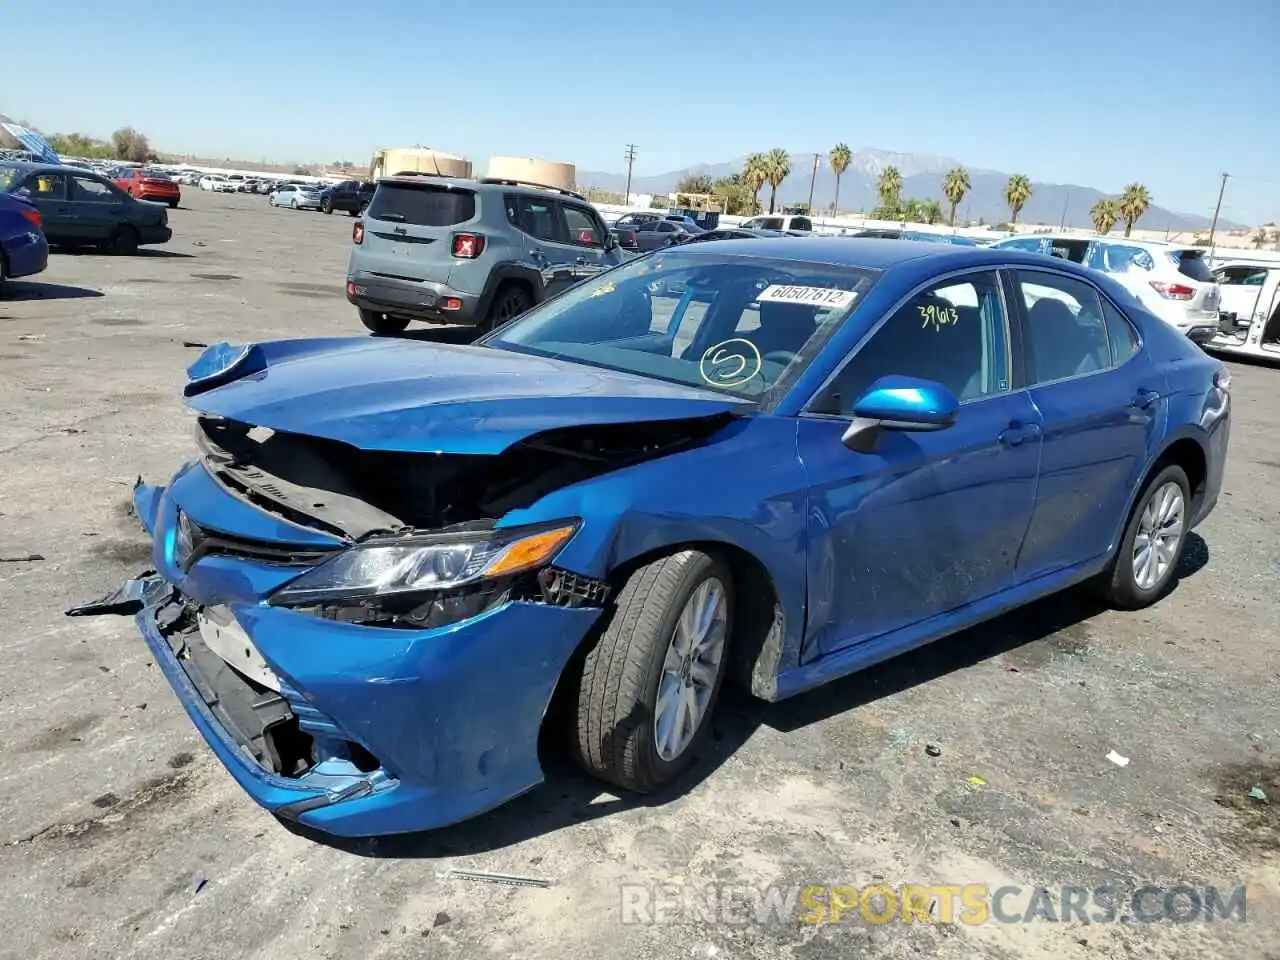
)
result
[(1094, 238), (877, 254), (36, 167)]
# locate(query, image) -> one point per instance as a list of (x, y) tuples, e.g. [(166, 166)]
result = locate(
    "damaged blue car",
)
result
[(771, 462)]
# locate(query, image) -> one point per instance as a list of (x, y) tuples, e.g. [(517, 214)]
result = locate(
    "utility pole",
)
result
[(813, 181), (1216, 210), (1063, 222), (630, 157)]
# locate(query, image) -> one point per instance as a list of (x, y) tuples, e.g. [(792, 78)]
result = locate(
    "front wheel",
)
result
[(327, 206), (293, 204), (1146, 562), (383, 323), (650, 682)]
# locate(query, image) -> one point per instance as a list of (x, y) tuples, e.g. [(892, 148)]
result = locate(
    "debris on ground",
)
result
[(975, 781), (198, 882), (1118, 760), (1257, 793), (31, 337), (21, 558), (193, 343), (900, 738), (501, 878), (933, 750)]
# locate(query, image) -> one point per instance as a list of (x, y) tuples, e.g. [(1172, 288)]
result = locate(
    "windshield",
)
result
[(727, 323), (9, 177)]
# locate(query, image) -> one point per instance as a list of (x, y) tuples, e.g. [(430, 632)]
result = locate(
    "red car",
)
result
[(142, 185)]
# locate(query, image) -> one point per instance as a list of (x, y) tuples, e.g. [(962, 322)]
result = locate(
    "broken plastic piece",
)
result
[(198, 882), (1118, 760), (502, 878), (21, 558), (933, 750), (975, 781), (1257, 793), (131, 597)]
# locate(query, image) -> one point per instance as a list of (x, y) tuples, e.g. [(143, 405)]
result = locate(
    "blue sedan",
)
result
[(24, 251), (772, 460)]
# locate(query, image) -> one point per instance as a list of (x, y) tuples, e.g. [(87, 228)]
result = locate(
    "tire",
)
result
[(327, 207), (353, 213), (1120, 585), (383, 323), (4, 272), (122, 243), (173, 204), (509, 300), (616, 723), (293, 204)]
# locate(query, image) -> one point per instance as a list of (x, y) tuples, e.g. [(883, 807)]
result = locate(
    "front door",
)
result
[(926, 522), (97, 206), (1100, 400)]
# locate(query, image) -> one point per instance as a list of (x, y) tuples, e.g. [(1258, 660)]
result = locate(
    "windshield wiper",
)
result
[(395, 217)]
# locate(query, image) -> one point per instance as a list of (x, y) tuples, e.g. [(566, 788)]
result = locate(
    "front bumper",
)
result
[(421, 300), (412, 729)]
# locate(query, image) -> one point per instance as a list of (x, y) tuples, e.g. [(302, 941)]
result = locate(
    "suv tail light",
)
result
[(1173, 291), (357, 232), (467, 246), (33, 217)]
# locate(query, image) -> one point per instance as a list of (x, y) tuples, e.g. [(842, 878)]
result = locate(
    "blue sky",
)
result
[(1090, 92)]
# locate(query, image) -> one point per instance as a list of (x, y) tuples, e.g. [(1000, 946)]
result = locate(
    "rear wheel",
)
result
[(326, 205), (122, 243), (650, 682), (173, 204), (509, 300), (383, 323), (1146, 562)]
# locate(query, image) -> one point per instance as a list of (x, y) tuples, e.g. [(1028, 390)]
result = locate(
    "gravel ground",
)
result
[(121, 836)]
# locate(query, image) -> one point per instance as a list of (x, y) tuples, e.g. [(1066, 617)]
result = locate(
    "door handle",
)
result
[(1145, 399), (581, 261), (1018, 433)]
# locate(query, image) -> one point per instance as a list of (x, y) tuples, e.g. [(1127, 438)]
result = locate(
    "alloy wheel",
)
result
[(1160, 530), (690, 669)]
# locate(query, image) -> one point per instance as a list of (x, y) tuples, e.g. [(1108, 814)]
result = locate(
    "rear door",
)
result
[(587, 232), (409, 226), (1100, 400), (48, 194)]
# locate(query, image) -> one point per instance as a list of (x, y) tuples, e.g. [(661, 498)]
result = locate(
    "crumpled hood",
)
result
[(413, 396)]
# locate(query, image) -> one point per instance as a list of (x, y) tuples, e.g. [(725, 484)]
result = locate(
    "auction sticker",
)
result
[(828, 297)]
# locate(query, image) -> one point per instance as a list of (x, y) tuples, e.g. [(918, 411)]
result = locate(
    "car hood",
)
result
[(412, 396)]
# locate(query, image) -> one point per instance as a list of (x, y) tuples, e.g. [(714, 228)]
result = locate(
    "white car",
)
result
[(295, 196), (1172, 281), (1249, 313), (216, 184), (778, 222)]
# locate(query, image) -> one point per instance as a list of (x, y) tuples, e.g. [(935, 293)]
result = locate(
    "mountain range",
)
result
[(922, 175)]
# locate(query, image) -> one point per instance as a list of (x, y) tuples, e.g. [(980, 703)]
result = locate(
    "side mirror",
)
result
[(611, 241), (900, 403)]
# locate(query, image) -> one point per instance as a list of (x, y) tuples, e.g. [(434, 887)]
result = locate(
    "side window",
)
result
[(1124, 339), (583, 229), (1118, 258), (46, 186), (538, 218), (801, 223), (92, 191), (954, 333), (1066, 333), (1029, 244)]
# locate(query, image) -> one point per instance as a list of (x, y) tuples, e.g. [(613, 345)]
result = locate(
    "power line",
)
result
[(630, 157)]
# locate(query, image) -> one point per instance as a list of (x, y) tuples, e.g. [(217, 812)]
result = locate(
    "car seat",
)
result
[(1060, 347)]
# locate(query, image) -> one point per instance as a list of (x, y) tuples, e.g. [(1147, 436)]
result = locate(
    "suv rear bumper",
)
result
[(419, 300)]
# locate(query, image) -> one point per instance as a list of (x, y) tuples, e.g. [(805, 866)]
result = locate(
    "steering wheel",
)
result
[(781, 357)]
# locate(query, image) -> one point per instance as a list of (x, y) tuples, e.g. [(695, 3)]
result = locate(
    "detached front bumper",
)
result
[(400, 729)]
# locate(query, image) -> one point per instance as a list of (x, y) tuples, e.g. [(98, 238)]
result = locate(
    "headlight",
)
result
[(417, 565)]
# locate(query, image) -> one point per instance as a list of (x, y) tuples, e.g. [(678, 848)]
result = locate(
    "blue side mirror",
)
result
[(901, 403)]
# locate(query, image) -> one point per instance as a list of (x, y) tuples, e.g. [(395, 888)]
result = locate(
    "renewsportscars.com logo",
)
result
[(743, 904)]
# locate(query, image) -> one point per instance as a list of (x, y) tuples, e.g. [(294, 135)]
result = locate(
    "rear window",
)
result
[(424, 206), (1190, 263), (801, 223)]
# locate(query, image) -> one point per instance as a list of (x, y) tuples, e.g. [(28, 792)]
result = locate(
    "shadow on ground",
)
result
[(145, 253), (568, 796), (34, 290)]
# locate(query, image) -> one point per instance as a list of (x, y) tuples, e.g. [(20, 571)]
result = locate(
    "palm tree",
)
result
[(930, 211), (1133, 204), (754, 176), (840, 157), (889, 186), (954, 186), (1104, 215), (777, 167), (1016, 194)]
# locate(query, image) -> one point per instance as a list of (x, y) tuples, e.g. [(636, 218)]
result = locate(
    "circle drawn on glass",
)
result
[(730, 363)]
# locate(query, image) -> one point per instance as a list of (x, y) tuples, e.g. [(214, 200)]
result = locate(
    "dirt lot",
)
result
[(123, 837)]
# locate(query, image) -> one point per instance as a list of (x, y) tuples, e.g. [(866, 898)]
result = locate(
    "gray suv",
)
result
[(477, 252)]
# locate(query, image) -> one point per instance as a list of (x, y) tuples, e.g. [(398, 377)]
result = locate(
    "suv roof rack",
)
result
[(537, 186)]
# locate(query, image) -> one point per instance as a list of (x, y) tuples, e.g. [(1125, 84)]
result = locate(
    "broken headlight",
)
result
[(405, 573)]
